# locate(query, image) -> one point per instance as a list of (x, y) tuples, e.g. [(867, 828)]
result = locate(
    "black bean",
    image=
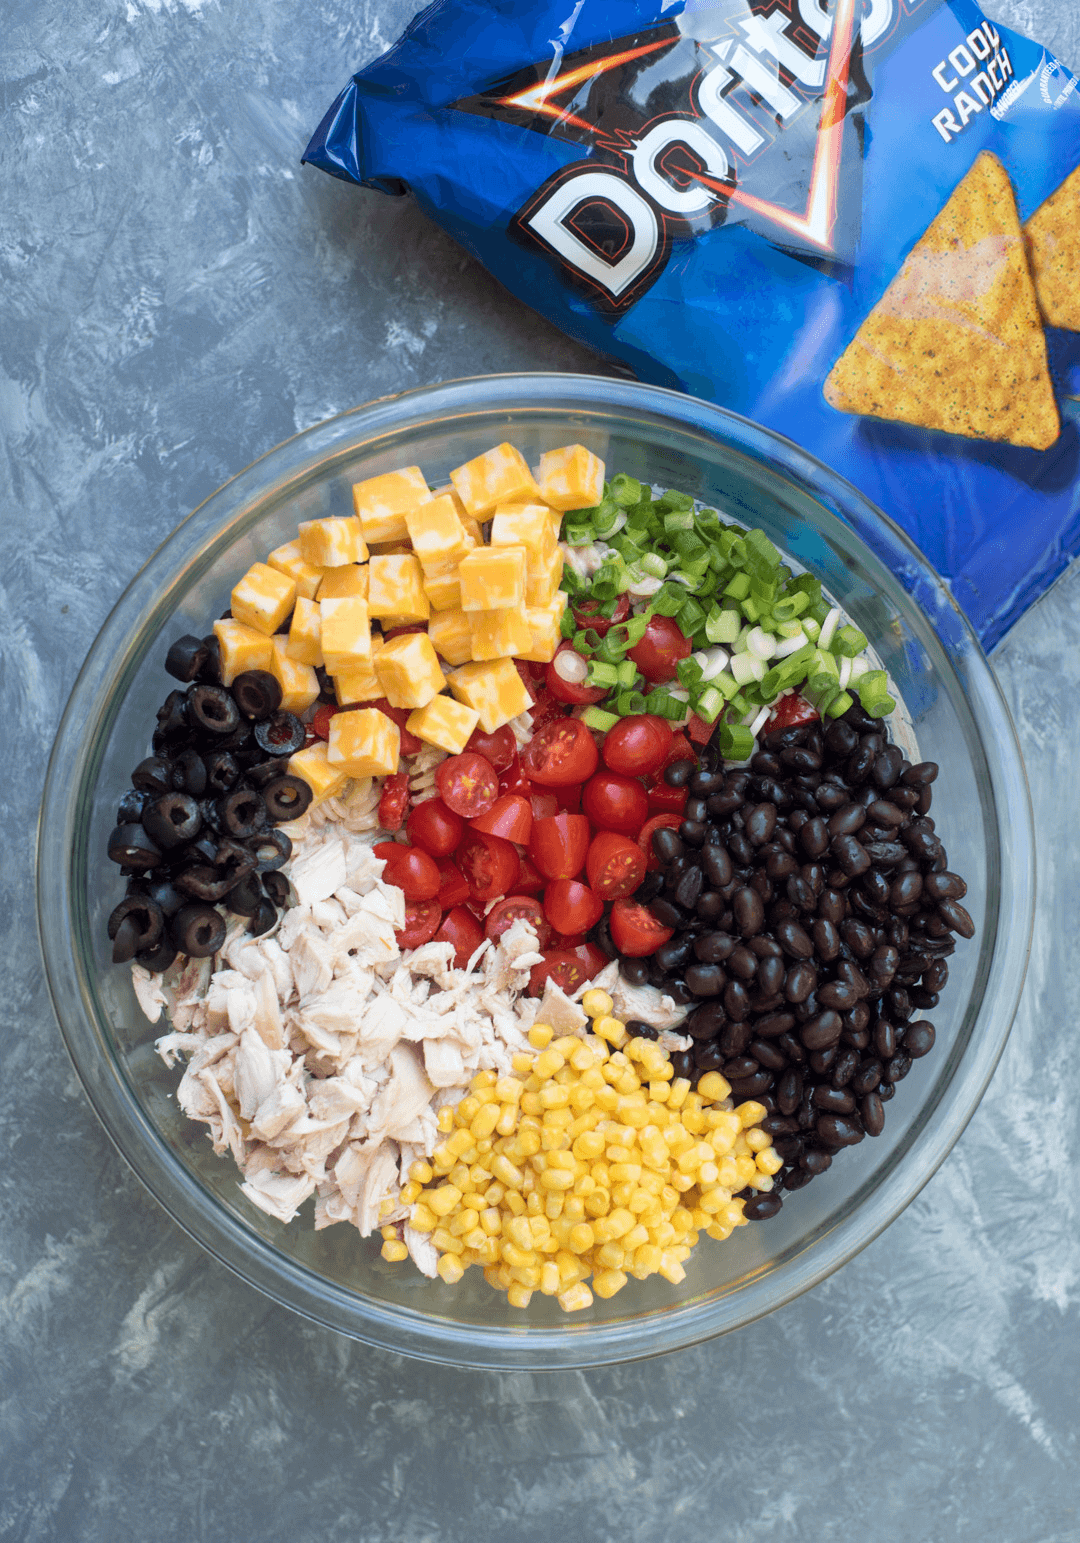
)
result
[(872, 1113), (742, 962), (899, 1004), (850, 855), (749, 911), (956, 918), (833, 1100), (847, 820), (705, 783), (692, 833), (844, 1067), (884, 813), (826, 939), (717, 866), (713, 947), (944, 886), (772, 1024), (666, 844), (884, 1038), (859, 764), (635, 972), (778, 1125), (821, 1061), (760, 823), (675, 953), (867, 1077), (815, 1161), (752, 1087), (740, 848), (837, 1130), (688, 890), (898, 1067), (831, 907), (780, 865), (734, 1038), (678, 774), (918, 1039), (708, 1056), (858, 937), (814, 836), (831, 796), (922, 775), (794, 940), (789, 1090), (837, 995), (840, 739), (766, 1053), (736, 1000), (887, 766), (762, 1207), (936, 976), (709, 905), (795, 1178), (800, 981), (705, 980), (667, 915), (682, 1064), (820, 1031)]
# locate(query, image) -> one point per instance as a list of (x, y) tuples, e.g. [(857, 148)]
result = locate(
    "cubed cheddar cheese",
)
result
[(541, 588), (571, 478), (313, 765), (500, 634), (492, 578), (339, 583), (364, 743), (381, 503), (333, 542), (289, 560), (299, 683), (443, 590), (409, 671), (471, 525), (494, 689), (445, 723), (360, 683), (263, 598), (242, 648), (451, 633), (544, 625), (437, 534), (305, 634), (498, 476), (396, 589), (529, 526), (345, 633)]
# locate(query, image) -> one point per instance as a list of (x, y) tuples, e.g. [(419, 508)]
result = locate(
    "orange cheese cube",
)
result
[(471, 526), (289, 560), (345, 633), (498, 476), (451, 633), (242, 648), (500, 634), (437, 534), (541, 588), (571, 478), (381, 503), (443, 590), (396, 589), (492, 578), (299, 683), (333, 542), (305, 634), (544, 624), (494, 689), (312, 764), (444, 722), (527, 525), (339, 583), (263, 598), (364, 743), (359, 683), (409, 671)]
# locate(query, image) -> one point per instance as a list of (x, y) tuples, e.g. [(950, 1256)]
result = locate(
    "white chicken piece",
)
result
[(422, 1251), (443, 1062), (277, 1112), (312, 960), (257, 1072), (148, 991), (559, 1012), (280, 1195), (408, 1091), (318, 870)]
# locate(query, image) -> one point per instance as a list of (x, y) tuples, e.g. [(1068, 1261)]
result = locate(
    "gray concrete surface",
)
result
[(177, 296)]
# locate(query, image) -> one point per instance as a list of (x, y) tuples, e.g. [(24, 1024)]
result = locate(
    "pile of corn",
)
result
[(591, 1159)]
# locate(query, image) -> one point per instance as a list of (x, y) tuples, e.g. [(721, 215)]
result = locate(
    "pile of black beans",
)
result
[(195, 834), (813, 912)]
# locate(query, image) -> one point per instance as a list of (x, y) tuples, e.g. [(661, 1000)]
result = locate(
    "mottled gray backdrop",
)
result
[(177, 295)]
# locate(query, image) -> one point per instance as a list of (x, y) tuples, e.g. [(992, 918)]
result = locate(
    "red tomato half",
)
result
[(592, 957), (461, 928), (509, 817), (638, 746), (499, 748), (467, 784), (422, 918), (544, 709), (530, 881), (588, 615), (563, 753), (563, 967), (645, 835), (571, 907), (665, 800), (571, 691), (489, 863), (435, 828), (394, 801), (569, 798), (544, 805), (320, 724), (514, 908), (514, 780), (791, 709), (413, 871), (615, 865), (453, 889), (614, 802), (680, 750), (660, 650), (558, 845), (635, 931)]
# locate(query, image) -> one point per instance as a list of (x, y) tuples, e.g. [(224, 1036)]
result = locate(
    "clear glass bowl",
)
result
[(981, 806)]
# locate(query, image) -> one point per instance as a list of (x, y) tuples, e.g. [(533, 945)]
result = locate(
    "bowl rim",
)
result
[(401, 1329)]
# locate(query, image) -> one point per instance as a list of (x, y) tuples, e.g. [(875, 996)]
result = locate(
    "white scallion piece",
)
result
[(571, 667), (758, 720), (645, 588), (791, 645), (715, 662), (760, 643), (828, 627), (859, 666), (845, 672), (746, 668)]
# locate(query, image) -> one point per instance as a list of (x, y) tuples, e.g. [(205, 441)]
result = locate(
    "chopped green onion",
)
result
[(601, 674), (665, 704), (811, 628), (760, 644), (678, 519), (596, 718), (736, 742), (626, 491), (791, 644), (689, 672), (840, 705), (738, 587), (654, 565), (710, 704), (627, 672), (828, 627), (722, 626), (746, 668), (750, 609), (577, 535), (629, 703), (567, 623), (848, 641), (675, 500), (609, 519)]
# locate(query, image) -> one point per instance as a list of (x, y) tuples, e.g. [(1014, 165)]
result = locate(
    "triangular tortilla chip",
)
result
[(956, 341), (1053, 237)]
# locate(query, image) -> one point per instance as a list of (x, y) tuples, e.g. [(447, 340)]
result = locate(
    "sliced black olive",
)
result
[(158, 958), (197, 930), (210, 669), (186, 657), (213, 881), (246, 897), (286, 798), (243, 813), (240, 739), (222, 770), (172, 819), (281, 734), (172, 721), (190, 773), (154, 775), (130, 846), (262, 772), (162, 891), (279, 889), (257, 693), (131, 806), (327, 689), (204, 849), (125, 941), (263, 920), (211, 814), (212, 709), (135, 924), (272, 849)]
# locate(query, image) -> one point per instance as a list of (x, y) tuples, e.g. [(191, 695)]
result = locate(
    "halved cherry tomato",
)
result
[(461, 928), (320, 724), (410, 744), (413, 871), (558, 845), (490, 865), (569, 799), (544, 805), (514, 908), (435, 828), (615, 865), (509, 817), (680, 749), (530, 881), (563, 753), (645, 835), (514, 780), (467, 784), (588, 615), (571, 906), (571, 691), (699, 731), (790, 710), (394, 801), (453, 889), (614, 802), (499, 748), (422, 918), (568, 942), (592, 957), (666, 800), (660, 650), (564, 968), (637, 746), (531, 674), (544, 709), (635, 931)]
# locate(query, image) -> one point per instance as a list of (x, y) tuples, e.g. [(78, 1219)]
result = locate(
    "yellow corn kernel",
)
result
[(394, 1252), (550, 1283), (442, 1200), (611, 1029), (518, 1295), (450, 1268), (713, 1087), (769, 1161), (750, 1113), (597, 1004), (540, 1036), (575, 1297), (608, 1282), (757, 1140), (485, 1121), (410, 1192), (548, 1062), (522, 1064)]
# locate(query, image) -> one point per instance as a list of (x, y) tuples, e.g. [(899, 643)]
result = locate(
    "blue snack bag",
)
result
[(855, 221)]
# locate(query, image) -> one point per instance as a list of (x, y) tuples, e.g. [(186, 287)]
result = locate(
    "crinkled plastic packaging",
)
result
[(855, 221)]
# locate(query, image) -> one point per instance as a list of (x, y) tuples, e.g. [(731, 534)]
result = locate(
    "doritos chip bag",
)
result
[(855, 221)]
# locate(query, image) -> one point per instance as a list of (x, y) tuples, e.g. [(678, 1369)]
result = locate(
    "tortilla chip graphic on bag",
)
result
[(956, 341), (1053, 237)]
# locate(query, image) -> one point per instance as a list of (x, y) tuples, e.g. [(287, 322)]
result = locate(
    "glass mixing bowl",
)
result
[(981, 806)]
